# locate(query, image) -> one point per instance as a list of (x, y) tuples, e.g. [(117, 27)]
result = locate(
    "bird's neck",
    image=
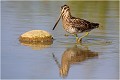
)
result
[(66, 15)]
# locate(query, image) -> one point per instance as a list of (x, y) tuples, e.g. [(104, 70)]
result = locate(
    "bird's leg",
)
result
[(69, 35), (80, 39), (76, 36), (66, 35)]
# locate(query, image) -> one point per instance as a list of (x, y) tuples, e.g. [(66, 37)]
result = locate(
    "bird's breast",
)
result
[(67, 25)]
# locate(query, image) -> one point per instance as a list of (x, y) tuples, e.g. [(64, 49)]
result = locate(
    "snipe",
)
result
[(75, 25)]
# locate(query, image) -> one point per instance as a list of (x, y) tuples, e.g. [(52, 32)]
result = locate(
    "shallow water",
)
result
[(95, 58)]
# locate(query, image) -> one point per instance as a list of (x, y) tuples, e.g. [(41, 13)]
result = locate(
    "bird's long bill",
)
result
[(56, 22)]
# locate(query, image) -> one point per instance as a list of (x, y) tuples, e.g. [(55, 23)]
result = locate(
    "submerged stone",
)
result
[(37, 45)]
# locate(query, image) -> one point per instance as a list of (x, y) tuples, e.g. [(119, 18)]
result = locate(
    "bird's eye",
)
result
[(65, 7)]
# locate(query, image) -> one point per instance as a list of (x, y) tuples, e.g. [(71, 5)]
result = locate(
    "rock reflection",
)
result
[(71, 56), (37, 45)]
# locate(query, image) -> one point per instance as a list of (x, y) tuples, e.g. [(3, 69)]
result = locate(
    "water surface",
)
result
[(95, 58)]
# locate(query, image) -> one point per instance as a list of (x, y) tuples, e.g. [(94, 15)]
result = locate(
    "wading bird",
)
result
[(75, 25)]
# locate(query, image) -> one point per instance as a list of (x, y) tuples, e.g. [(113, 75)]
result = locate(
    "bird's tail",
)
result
[(95, 25)]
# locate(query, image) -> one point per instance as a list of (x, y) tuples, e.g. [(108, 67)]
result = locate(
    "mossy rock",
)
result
[(36, 36)]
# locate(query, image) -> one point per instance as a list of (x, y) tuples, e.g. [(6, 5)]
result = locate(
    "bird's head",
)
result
[(65, 9)]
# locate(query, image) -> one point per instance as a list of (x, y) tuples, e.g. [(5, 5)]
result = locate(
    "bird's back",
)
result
[(83, 25)]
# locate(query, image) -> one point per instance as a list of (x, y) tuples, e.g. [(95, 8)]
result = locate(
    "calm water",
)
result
[(95, 58)]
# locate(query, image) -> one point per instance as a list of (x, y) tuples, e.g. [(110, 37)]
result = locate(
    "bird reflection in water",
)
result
[(71, 56)]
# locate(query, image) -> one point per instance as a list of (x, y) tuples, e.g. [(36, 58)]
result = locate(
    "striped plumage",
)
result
[(74, 25), (77, 25)]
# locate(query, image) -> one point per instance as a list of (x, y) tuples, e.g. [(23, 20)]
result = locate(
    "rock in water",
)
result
[(36, 36)]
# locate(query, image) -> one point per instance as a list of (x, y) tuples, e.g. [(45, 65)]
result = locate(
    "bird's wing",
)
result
[(80, 24)]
